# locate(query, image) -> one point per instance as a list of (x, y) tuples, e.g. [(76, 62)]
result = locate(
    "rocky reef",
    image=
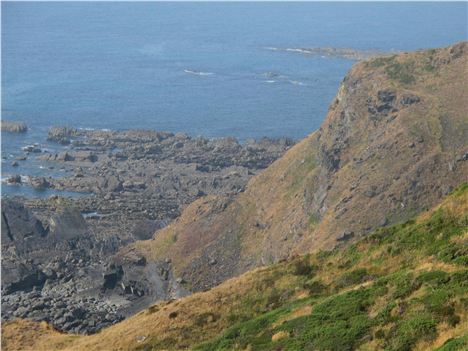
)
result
[(59, 254), (346, 53), (13, 126)]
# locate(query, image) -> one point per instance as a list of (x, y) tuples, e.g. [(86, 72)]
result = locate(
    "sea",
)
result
[(213, 69)]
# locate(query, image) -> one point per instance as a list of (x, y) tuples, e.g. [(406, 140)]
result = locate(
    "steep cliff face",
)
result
[(393, 143)]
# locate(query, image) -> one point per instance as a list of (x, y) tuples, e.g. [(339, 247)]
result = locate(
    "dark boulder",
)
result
[(67, 224), (19, 224), (23, 276), (345, 236), (39, 182), (409, 99), (14, 179), (112, 277)]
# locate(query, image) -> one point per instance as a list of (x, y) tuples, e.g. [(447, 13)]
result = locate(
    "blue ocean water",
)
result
[(200, 68)]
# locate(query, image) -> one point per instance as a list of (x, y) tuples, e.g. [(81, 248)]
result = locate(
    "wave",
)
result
[(302, 51), (198, 73), (271, 74), (271, 48), (6, 177), (270, 81), (297, 82)]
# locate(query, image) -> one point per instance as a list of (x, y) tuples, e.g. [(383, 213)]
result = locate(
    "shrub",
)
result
[(434, 278), (408, 332), (402, 72), (303, 267), (314, 287), (405, 285), (351, 278)]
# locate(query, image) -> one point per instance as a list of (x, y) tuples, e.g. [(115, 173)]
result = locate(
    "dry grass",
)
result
[(297, 205)]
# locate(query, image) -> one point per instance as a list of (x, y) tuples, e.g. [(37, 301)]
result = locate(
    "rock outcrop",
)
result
[(49, 270), (13, 126)]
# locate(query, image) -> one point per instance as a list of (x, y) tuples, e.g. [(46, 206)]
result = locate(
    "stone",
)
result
[(14, 179), (39, 182), (345, 236), (61, 134), (409, 99), (64, 156)]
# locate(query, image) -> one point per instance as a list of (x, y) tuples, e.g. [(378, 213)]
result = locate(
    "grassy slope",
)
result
[(403, 287), (390, 167)]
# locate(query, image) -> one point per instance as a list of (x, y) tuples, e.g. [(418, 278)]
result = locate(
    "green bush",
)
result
[(405, 285), (408, 332), (403, 72), (434, 278), (351, 278), (314, 287), (303, 267)]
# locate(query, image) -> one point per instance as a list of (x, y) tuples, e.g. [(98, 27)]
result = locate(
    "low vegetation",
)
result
[(404, 287)]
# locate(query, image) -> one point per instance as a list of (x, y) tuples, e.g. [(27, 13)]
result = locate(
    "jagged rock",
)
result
[(345, 236), (13, 127), (68, 223), (31, 148), (409, 99), (61, 134), (21, 277), (39, 182), (18, 224), (14, 179), (64, 156), (84, 156), (112, 277)]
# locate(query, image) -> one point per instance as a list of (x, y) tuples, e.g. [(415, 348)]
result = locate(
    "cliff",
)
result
[(393, 143)]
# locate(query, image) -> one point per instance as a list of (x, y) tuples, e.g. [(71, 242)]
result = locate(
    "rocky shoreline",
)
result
[(138, 181)]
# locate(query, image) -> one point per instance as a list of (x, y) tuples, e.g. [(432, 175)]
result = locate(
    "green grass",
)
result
[(458, 344), (403, 72), (407, 70), (407, 305)]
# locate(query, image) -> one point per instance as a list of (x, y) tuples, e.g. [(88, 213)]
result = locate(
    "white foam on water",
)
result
[(198, 73), (296, 82)]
